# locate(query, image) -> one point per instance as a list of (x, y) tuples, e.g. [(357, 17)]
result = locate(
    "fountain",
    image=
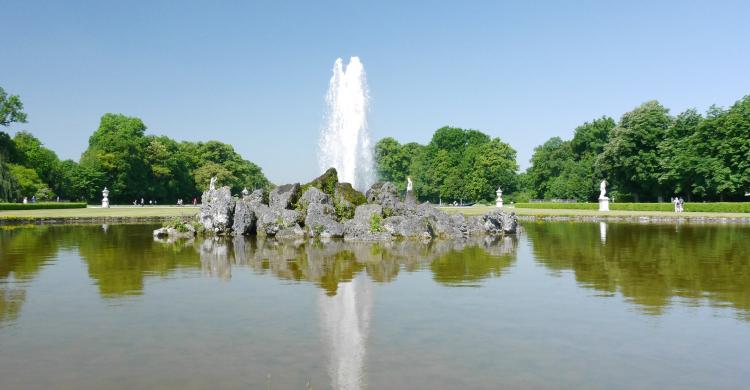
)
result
[(345, 140)]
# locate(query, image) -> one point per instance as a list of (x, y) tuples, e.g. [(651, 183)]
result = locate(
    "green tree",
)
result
[(117, 149), (723, 142), (28, 181), (11, 109), (548, 162), (462, 164), (591, 137), (395, 161), (678, 155), (631, 157), (44, 161)]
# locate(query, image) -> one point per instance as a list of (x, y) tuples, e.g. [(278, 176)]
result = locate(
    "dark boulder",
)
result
[(284, 196), (244, 217)]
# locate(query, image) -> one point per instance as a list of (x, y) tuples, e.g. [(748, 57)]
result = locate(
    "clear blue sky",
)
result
[(255, 75)]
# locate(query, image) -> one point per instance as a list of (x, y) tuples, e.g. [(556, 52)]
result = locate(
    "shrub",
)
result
[(41, 206), (717, 207), (375, 223)]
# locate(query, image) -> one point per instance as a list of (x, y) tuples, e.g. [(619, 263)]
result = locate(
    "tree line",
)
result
[(649, 155), (120, 156), (457, 164)]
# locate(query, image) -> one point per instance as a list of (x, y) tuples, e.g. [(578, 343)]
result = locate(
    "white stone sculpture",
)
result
[(105, 198), (603, 200), (212, 185), (499, 200), (409, 184)]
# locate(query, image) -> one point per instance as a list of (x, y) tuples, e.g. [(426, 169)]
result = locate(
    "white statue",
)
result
[(499, 200), (212, 185), (603, 200), (245, 192), (105, 198), (409, 184)]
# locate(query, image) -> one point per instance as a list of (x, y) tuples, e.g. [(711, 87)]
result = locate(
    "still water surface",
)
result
[(563, 305)]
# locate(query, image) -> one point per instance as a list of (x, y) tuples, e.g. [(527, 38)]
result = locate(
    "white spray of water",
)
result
[(345, 141)]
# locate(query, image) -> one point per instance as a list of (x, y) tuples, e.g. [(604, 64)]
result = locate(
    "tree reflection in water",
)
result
[(650, 264)]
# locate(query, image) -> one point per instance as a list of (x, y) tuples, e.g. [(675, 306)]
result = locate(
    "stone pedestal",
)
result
[(411, 197), (603, 203)]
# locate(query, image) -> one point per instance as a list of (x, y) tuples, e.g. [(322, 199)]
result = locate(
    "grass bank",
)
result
[(614, 215), (95, 214)]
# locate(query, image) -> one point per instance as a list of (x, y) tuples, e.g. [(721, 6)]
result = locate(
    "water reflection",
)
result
[(345, 320), (331, 263), (651, 264)]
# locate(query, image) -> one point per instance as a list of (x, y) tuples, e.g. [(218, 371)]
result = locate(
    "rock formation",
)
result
[(326, 208)]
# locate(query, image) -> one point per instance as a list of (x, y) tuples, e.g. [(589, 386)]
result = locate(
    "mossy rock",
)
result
[(325, 182), (346, 192)]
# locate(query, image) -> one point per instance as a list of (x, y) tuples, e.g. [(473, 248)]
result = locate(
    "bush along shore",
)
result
[(42, 206), (715, 207), (326, 208), (588, 215)]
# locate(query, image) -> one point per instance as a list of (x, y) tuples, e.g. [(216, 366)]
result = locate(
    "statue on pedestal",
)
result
[(411, 198), (603, 200), (105, 198), (212, 184), (499, 200)]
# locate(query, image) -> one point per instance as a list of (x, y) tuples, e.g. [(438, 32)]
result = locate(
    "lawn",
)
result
[(98, 212)]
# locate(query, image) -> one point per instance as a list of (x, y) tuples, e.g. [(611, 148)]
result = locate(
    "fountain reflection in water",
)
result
[(345, 141), (346, 322)]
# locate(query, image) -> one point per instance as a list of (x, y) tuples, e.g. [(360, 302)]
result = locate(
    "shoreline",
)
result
[(609, 216), (153, 214)]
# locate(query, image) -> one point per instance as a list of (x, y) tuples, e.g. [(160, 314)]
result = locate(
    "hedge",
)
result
[(41, 206), (717, 207)]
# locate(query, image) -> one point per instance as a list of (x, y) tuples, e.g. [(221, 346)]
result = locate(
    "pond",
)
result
[(561, 305)]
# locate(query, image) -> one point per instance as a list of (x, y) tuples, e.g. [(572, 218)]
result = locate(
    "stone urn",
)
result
[(105, 198), (499, 200)]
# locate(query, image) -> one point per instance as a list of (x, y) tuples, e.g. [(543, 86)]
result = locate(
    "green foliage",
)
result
[(717, 207), (456, 164), (631, 158), (177, 224), (649, 155), (45, 162), (44, 193), (41, 206), (325, 182), (376, 223), (28, 181), (557, 206), (394, 160), (134, 165), (8, 184), (11, 109)]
